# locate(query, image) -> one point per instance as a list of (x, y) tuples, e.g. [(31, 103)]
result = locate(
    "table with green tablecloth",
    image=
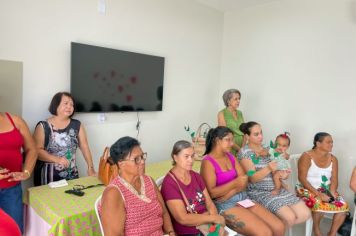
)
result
[(67, 214)]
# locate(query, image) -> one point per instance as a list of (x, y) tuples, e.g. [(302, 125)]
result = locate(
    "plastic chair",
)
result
[(96, 204), (159, 181)]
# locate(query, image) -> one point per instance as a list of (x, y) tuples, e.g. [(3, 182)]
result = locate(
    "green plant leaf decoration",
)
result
[(254, 158), (324, 178), (250, 173), (272, 145), (192, 134), (276, 154)]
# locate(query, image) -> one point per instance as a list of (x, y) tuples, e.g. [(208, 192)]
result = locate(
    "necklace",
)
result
[(142, 194)]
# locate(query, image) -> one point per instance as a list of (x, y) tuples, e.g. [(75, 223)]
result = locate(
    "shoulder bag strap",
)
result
[(181, 192)]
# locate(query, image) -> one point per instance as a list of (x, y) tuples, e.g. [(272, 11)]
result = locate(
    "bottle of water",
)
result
[(69, 158)]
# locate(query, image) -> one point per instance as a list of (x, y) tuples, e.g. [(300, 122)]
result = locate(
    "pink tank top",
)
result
[(11, 143), (223, 177), (143, 212)]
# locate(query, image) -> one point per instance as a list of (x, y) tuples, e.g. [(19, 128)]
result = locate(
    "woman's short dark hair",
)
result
[(215, 133), (246, 127), (178, 147), (319, 137), (122, 148), (228, 95), (56, 100)]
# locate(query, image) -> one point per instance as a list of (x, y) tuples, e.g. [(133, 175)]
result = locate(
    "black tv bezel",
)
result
[(114, 49)]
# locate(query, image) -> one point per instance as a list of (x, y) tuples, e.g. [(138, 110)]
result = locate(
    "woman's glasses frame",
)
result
[(137, 160)]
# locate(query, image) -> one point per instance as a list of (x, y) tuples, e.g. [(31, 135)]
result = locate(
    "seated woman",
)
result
[(318, 175), (226, 182), (255, 160), (132, 204), (57, 140), (182, 178)]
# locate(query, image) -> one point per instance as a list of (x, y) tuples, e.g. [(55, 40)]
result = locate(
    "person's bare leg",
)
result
[(338, 219), (277, 183), (270, 219), (245, 222), (317, 216), (301, 211)]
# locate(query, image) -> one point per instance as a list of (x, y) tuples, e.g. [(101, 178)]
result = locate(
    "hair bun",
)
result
[(243, 127)]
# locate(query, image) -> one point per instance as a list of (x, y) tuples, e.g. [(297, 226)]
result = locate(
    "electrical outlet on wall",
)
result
[(101, 118), (101, 7)]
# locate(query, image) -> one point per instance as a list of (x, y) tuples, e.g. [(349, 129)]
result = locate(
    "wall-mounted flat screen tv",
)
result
[(110, 80)]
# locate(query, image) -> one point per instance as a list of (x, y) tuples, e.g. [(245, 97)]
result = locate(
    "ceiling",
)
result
[(228, 5)]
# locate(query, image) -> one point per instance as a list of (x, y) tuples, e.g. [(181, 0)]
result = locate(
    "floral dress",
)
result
[(60, 143), (319, 178), (261, 191)]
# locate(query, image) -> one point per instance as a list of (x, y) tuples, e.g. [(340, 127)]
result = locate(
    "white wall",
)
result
[(187, 34), (294, 62)]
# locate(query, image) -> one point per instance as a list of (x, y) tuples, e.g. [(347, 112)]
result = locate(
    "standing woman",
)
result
[(14, 136), (232, 118), (57, 140), (255, 160), (318, 175), (181, 179), (226, 182)]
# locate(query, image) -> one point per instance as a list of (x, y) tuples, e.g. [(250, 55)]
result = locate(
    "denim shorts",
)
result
[(231, 202), (11, 203)]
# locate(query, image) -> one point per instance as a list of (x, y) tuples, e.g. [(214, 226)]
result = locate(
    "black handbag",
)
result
[(345, 228)]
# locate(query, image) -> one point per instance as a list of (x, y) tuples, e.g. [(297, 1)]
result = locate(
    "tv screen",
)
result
[(109, 80)]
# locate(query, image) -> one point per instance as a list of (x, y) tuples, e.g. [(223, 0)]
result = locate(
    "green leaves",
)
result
[(254, 158), (324, 178), (272, 145)]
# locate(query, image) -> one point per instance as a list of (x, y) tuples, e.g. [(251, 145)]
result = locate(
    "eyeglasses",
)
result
[(138, 159)]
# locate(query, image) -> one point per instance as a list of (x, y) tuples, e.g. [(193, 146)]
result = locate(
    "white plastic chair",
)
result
[(96, 204), (159, 181), (294, 180)]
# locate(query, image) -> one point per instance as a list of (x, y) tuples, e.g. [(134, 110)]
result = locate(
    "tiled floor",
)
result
[(299, 230)]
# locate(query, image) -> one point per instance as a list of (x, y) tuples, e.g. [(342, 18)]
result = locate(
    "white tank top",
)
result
[(315, 174)]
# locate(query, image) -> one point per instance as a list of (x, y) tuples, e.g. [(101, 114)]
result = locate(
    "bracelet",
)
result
[(27, 172)]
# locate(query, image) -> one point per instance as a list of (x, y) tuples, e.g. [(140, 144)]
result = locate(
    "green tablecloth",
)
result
[(72, 215), (66, 213)]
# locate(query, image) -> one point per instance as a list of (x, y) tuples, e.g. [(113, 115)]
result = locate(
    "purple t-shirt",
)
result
[(194, 193)]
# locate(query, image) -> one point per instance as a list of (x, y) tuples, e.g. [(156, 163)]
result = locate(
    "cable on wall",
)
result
[(138, 125)]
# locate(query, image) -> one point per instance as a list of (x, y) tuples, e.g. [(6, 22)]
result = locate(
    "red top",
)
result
[(11, 143), (143, 212), (7, 225)]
